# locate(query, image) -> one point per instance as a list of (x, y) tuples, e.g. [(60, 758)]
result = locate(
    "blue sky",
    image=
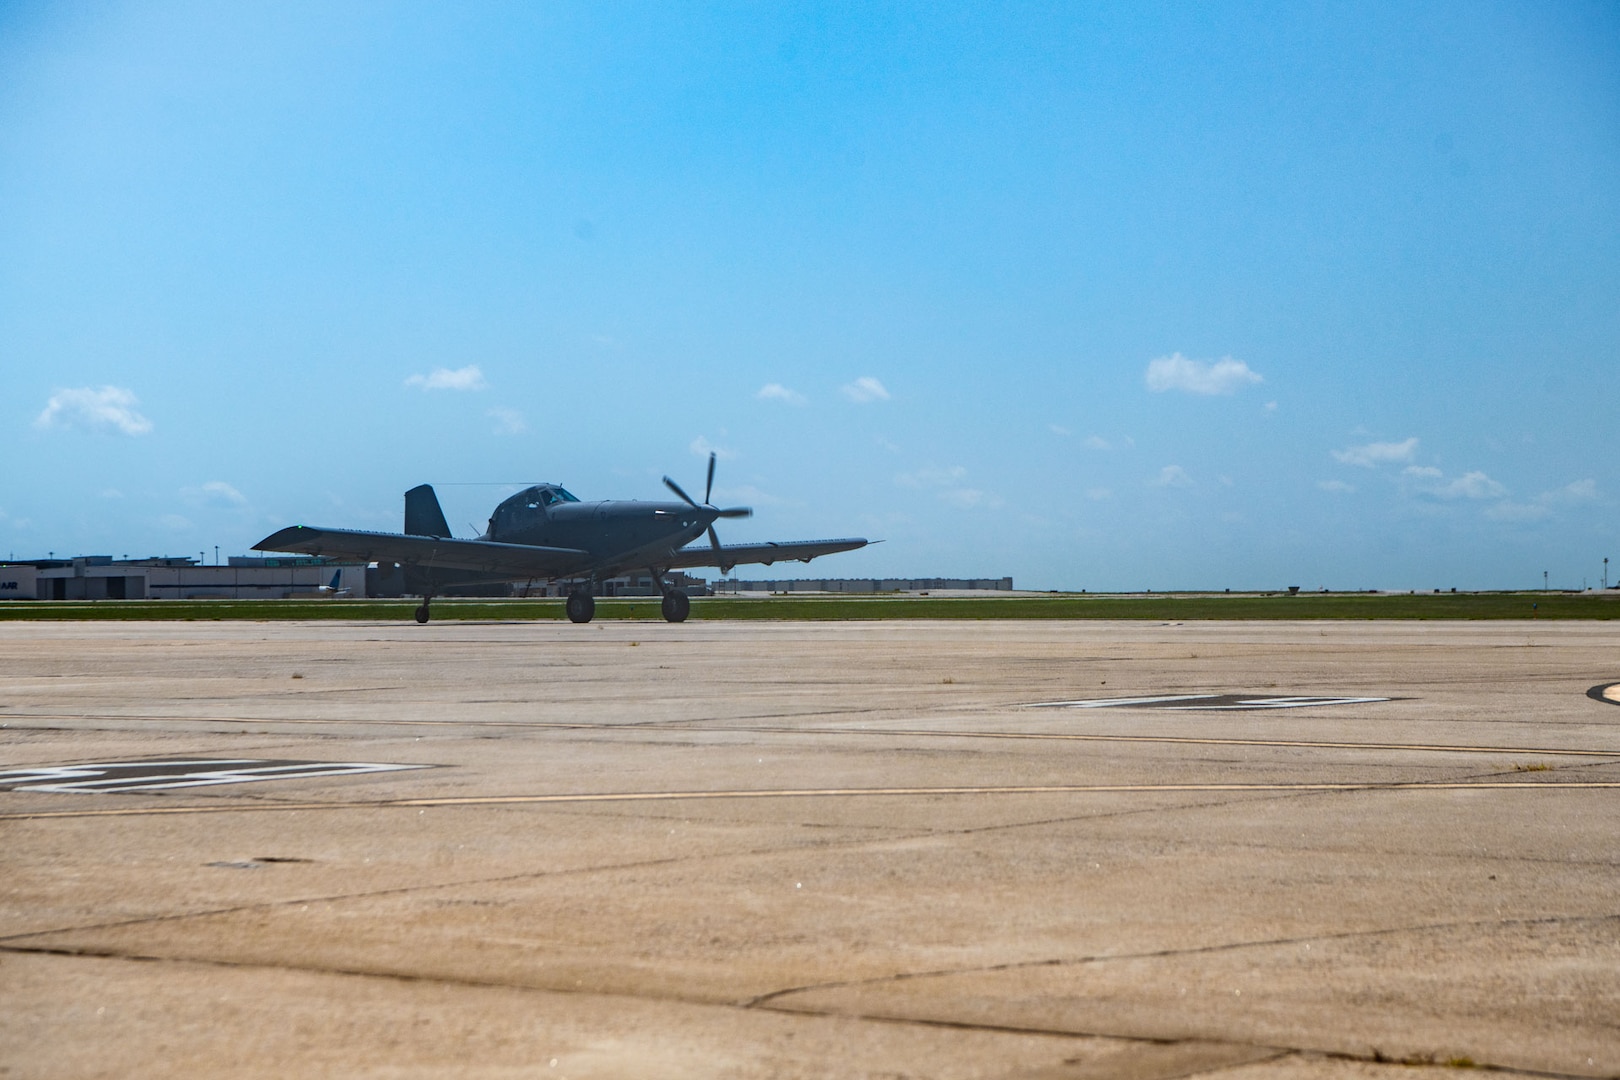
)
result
[(1100, 296)]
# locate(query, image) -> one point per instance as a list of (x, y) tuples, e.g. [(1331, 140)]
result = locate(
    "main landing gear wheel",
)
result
[(676, 606), (422, 613), (581, 606)]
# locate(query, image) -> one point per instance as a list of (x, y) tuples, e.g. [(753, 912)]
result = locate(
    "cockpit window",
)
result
[(532, 499)]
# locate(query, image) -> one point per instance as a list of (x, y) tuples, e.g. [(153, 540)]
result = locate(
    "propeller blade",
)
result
[(709, 487), (719, 560), (676, 488), (736, 512)]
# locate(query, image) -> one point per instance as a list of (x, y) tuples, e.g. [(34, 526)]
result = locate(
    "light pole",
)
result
[(1605, 571), (1544, 581)]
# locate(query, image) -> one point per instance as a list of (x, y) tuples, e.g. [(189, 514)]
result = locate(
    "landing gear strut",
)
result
[(676, 607), (581, 605)]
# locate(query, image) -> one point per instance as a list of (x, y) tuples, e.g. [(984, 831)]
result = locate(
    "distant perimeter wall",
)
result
[(866, 585)]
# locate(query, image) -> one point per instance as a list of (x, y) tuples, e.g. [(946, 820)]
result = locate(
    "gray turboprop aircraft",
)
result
[(545, 534)]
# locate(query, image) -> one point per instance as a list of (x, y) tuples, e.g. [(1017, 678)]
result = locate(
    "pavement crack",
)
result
[(769, 999), (1263, 1052), (854, 843)]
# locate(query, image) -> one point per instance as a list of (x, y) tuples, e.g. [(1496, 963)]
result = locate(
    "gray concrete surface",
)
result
[(814, 850)]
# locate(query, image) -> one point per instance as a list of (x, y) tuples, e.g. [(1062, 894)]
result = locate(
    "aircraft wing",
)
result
[(767, 553), (512, 560)]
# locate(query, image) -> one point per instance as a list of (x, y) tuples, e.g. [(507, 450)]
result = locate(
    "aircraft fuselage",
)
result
[(626, 533)]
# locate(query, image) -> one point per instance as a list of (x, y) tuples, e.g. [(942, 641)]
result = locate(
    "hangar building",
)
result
[(101, 577)]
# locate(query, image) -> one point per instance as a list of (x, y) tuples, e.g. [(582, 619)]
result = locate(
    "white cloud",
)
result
[(964, 498), (1059, 430), (931, 477), (1473, 485), (508, 421), (702, 447), (1578, 492), (865, 390), (1176, 372), (1172, 476), (1511, 511), (1098, 494), (175, 522), (105, 408), (1427, 480), (1543, 505), (111, 493), (1097, 442), (467, 378), (946, 483), (220, 491), (214, 495), (778, 392), (1271, 406), (1378, 453), (1338, 487)]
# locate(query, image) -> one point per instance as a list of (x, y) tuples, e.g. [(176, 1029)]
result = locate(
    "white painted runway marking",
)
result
[(1203, 702), (168, 773), (1442, 748)]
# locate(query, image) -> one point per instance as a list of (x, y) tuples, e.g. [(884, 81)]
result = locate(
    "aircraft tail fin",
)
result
[(337, 575), (423, 517)]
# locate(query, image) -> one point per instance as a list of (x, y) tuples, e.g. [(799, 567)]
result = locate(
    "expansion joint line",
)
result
[(1264, 1052), (769, 1000), (811, 793), (853, 843)]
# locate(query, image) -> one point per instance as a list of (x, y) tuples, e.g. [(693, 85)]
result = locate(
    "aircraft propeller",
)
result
[(729, 512)]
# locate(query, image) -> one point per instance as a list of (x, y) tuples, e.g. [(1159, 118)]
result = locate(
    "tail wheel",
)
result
[(676, 606), (581, 606)]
